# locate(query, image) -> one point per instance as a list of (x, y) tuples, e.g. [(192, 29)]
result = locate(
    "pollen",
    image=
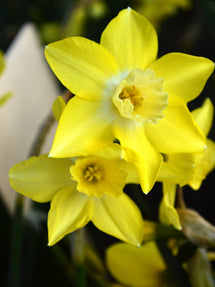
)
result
[(93, 173)]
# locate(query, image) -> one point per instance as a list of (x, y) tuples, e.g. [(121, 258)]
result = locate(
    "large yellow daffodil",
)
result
[(137, 267), (123, 92), (82, 190), (187, 168)]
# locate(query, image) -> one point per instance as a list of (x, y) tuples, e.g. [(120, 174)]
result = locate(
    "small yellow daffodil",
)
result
[(137, 267), (81, 190), (187, 168), (123, 92)]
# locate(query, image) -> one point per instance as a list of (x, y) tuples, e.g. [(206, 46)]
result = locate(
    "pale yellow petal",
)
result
[(70, 210), (167, 212), (84, 127), (131, 39), (119, 217), (132, 266), (204, 116), (176, 132), (139, 152), (82, 66), (184, 75), (40, 178)]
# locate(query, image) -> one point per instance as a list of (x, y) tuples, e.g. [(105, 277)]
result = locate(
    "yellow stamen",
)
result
[(131, 93), (92, 173)]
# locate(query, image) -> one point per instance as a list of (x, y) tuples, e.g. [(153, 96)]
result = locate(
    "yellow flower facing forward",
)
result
[(81, 190), (187, 168), (137, 267), (123, 92)]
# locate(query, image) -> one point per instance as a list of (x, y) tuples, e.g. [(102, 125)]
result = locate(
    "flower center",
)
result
[(92, 173), (132, 94), (140, 96)]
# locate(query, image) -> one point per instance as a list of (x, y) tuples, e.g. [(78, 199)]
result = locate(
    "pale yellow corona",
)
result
[(140, 96), (94, 176)]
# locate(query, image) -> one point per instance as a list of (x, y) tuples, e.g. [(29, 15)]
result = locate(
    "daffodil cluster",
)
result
[(128, 122)]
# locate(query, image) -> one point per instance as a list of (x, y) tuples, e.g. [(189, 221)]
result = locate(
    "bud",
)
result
[(200, 270), (196, 228)]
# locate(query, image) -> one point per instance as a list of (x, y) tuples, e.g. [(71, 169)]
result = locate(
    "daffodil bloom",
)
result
[(187, 168), (81, 190), (123, 92), (137, 267)]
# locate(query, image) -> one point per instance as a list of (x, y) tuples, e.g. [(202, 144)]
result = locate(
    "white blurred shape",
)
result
[(34, 88)]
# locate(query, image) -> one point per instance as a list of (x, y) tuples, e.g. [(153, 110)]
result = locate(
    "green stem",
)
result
[(78, 257), (40, 138), (17, 219), (177, 273), (16, 240)]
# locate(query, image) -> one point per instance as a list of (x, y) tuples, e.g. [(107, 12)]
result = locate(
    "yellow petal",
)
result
[(131, 171), (138, 267), (184, 75), (40, 178), (176, 132), (167, 212), (83, 66), (139, 152), (204, 116), (131, 39), (179, 168), (119, 217), (109, 151), (204, 165), (211, 151), (57, 107), (70, 210), (84, 127)]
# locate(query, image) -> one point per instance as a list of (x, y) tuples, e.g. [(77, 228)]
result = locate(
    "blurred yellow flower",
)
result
[(81, 190), (157, 10), (137, 267), (187, 168), (123, 92), (6, 96)]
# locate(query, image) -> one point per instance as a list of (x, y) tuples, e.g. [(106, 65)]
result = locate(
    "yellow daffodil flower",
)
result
[(123, 92), (187, 168), (81, 190), (137, 267)]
